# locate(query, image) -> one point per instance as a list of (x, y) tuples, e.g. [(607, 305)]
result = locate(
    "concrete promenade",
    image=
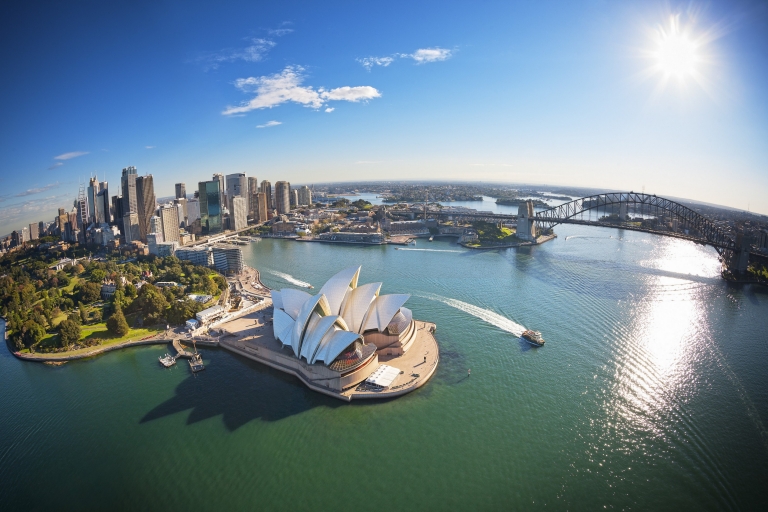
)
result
[(90, 352)]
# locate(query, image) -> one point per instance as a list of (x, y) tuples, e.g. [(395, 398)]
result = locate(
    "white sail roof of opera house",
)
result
[(319, 328)]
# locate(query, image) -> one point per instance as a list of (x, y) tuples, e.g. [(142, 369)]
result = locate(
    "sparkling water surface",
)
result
[(650, 394)]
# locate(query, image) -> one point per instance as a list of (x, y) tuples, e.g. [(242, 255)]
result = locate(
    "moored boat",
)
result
[(167, 360), (533, 337), (196, 363)]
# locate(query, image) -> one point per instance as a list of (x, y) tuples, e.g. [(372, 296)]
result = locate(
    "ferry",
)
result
[(533, 337), (167, 360)]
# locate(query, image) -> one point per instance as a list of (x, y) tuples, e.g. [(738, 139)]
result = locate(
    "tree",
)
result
[(116, 324), (32, 333), (181, 311), (151, 303), (97, 275), (130, 291), (69, 333), (83, 313), (89, 292)]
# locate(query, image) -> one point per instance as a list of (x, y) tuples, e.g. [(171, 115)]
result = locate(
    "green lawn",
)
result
[(99, 331), (71, 285)]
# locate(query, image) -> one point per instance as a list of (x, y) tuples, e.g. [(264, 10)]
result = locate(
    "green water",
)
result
[(650, 394)]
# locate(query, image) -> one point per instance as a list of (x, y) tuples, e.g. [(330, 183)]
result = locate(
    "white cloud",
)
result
[(353, 94), (279, 32), (429, 55), (369, 62), (269, 124), (149, 147), (33, 191), (330, 109), (421, 56), (274, 90), (73, 154), (57, 164), (254, 52)]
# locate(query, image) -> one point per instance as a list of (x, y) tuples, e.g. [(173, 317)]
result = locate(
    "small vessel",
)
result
[(431, 238), (167, 360), (196, 362), (533, 337)]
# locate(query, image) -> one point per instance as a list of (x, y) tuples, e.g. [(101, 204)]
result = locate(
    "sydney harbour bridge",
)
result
[(627, 210)]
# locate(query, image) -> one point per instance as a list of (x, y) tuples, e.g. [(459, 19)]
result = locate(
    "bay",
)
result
[(650, 393)]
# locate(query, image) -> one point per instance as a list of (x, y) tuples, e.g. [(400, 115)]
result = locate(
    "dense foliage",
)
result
[(45, 308)]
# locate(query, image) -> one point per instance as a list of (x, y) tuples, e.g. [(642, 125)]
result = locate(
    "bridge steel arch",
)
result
[(707, 231)]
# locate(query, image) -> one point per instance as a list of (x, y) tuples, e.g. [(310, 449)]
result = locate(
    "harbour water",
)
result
[(650, 394)]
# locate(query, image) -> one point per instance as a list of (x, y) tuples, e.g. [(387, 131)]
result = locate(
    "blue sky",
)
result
[(566, 93)]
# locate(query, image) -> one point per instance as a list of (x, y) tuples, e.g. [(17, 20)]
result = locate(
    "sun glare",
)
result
[(676, 54)]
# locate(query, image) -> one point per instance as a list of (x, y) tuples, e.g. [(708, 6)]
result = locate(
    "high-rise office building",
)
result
[(92, 190), (101, 207), (253, 189), (181, 204), (282, 197), (181, 191), (210, 206), (305, 196), (42, 228), (237, 185), (193, 210), (294, 197), (128, 185), (261, 208), (239, 213), (222, 190), (61, 222), (266, 187), (146, 203), (117, 211), (34, 231), (131, 228), (169, 218)]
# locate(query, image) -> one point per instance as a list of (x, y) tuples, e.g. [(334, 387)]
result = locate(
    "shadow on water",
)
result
[(238, 390)]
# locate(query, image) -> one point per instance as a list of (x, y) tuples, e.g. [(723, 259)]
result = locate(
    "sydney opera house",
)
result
[(333, 341), (343, 324)]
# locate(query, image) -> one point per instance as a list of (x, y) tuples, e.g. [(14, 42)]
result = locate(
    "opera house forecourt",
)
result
[(348, 341)]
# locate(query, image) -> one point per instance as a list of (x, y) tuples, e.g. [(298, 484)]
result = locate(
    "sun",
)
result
[(675, 54)]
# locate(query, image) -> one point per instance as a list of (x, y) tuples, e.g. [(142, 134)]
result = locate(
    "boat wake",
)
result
[(426, 250), (495, 319), (289, 278)]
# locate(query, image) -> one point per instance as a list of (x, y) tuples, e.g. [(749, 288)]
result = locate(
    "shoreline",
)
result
[(540, 240)]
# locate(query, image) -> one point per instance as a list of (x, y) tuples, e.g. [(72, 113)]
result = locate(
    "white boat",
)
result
[(167, 360)]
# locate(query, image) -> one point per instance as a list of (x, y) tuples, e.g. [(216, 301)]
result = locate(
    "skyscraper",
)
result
[(253, 189), (261, 208), (305, 196), (169, 218), (283, 197), (222, 194), (92, 190), (101, 207), (237, 185), (117, 211), (146, 203), (266, 187), (181, 191), (128, 184), (34, 231), (210, 206), (239, 213)]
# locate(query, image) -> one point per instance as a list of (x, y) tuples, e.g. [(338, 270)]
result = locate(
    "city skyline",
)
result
[(664, 97)]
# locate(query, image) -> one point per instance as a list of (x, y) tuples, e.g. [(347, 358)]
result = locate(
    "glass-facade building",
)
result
[(210, 206)]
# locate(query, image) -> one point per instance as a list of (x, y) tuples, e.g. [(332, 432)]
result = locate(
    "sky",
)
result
[(666, 97)]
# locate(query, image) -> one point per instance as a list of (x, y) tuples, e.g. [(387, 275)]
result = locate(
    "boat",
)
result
[(533, 337), (196, 362), (431, 238), (167, 360)]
